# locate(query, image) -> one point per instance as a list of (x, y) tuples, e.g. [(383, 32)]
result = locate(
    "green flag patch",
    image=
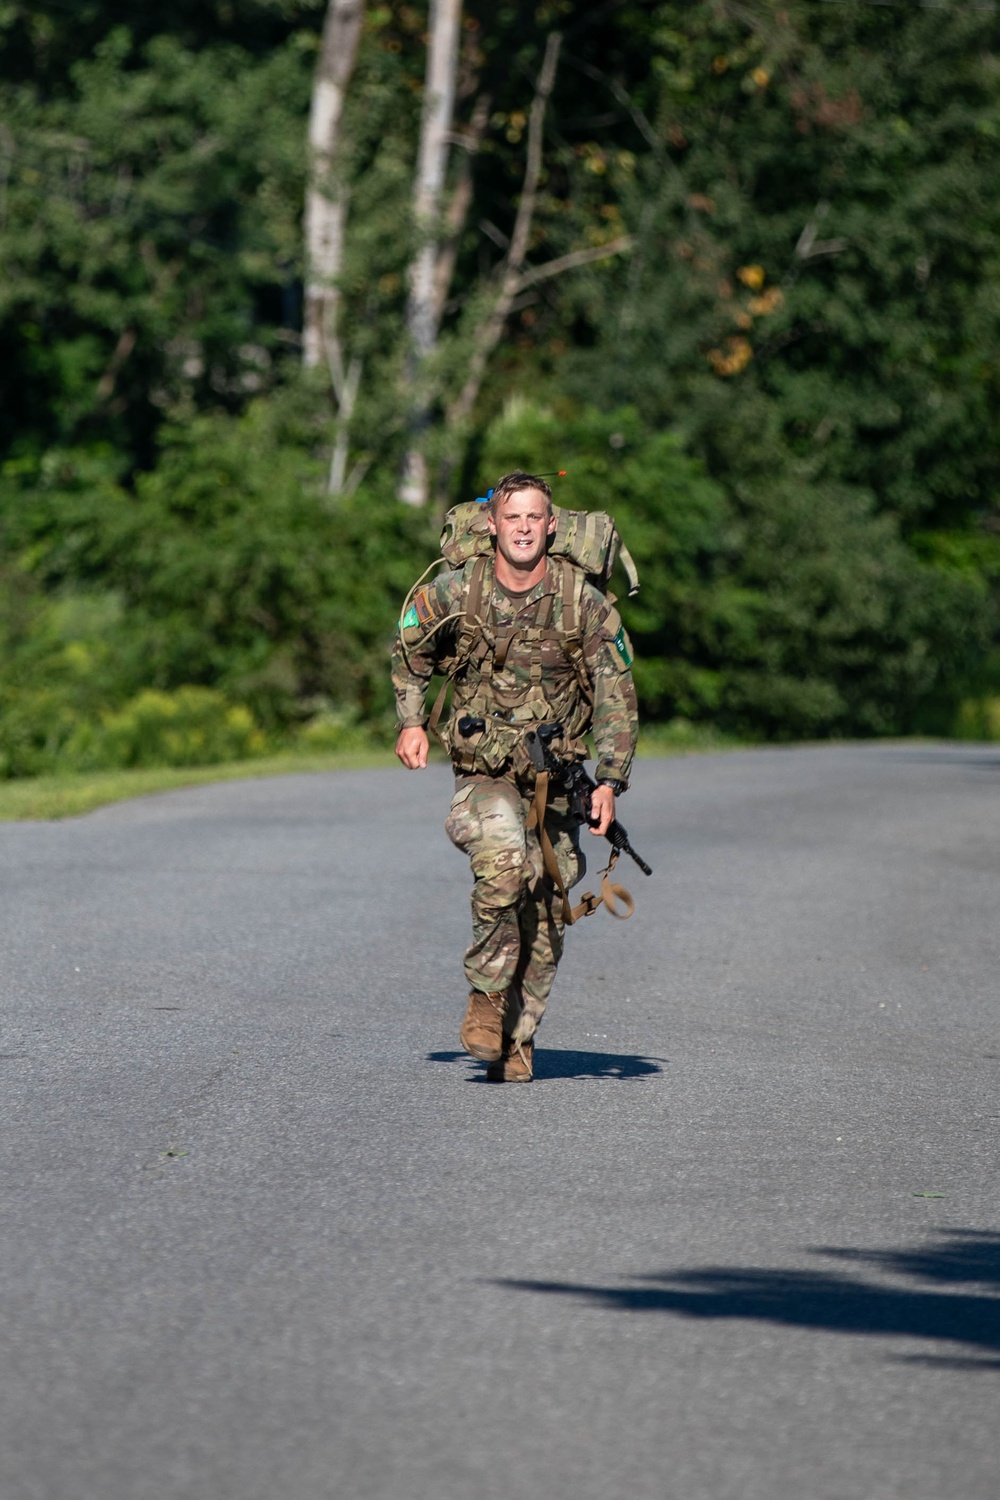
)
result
[(623, 646)]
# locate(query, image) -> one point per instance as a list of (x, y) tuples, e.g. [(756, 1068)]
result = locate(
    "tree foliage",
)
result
[(785, 387)]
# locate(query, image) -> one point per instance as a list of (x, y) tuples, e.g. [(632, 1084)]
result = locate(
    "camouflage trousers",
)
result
[(517, 926)]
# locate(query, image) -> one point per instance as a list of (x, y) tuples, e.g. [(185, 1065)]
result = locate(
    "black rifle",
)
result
[(569, 774)]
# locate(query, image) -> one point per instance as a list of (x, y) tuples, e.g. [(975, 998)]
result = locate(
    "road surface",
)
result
[(267, 1234)]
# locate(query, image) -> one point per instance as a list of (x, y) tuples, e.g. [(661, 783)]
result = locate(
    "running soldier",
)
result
[(526, 640)]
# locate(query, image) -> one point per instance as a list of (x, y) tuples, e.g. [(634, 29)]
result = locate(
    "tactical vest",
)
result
[(476, 672), (585, 547)]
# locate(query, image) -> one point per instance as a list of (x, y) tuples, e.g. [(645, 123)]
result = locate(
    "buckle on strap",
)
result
[(502, 646)]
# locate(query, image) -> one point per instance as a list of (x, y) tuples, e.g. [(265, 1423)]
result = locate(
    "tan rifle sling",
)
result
[(611, 893)]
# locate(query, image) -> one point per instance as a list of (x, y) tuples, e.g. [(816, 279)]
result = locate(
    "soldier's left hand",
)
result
[(602, 810)]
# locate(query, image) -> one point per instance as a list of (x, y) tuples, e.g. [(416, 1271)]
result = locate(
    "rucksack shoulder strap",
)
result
[(572, 597), (475, 584), (571, 622)]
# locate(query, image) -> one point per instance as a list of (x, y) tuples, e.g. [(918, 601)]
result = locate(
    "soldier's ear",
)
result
[(491, 523), (552, 524)]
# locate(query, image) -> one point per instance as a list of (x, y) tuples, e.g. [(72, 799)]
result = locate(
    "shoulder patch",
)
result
[(423, 606), (623, 646)]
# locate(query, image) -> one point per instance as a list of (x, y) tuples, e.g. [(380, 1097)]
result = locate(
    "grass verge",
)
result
[(80, 792)]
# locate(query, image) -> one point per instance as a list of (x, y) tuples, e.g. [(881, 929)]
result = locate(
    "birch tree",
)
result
[(326, 221), (426, 298)]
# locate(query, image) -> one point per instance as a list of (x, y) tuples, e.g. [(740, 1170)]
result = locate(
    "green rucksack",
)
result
[(588, 538)]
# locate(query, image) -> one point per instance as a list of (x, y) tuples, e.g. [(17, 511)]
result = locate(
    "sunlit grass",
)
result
[(75, 793), (81, 792), (680, 737)]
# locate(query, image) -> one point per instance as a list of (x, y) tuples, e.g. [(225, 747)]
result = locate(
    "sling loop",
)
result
[(611, 893)]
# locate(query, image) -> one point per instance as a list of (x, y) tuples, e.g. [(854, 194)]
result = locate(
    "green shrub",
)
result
[(64, 658), (192, 726), (234, 570), (978, 719), (333, 730)]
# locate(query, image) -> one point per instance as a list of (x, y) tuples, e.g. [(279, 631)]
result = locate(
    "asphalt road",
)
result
[(266, 1234)]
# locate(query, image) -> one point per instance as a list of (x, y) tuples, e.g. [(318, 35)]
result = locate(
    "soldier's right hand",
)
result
[(411, 747)]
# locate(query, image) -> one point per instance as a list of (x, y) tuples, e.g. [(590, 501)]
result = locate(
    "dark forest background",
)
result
[(757, 317)]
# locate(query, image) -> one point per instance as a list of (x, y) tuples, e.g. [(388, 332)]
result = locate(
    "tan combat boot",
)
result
[(515, 1065), (482, 1030)]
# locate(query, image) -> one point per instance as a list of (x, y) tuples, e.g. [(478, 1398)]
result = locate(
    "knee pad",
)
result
[(500, 885)]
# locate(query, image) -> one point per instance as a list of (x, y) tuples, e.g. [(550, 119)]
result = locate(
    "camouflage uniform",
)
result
[(515, 670)]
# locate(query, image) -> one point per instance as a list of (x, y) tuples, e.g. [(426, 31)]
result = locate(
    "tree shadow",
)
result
[(564, 1063), (834, 1302), (961, 1255), (977, 757)]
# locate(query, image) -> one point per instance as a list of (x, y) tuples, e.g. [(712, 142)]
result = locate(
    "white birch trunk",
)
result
[(326, 195), (423, 310)]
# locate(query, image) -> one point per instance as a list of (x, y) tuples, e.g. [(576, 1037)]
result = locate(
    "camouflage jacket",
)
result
[(558, 653)]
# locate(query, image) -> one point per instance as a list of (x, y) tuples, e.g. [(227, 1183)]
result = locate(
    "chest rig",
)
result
[(510, 674)]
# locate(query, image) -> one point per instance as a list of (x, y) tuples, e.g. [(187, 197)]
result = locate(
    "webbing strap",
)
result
[(625, 558), (611, 893), (570, 620), (504, 637), (438, 709), (572, 644), (536, 819), (474, 603)]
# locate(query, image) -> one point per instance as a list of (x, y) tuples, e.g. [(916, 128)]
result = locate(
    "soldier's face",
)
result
[(523, 523)]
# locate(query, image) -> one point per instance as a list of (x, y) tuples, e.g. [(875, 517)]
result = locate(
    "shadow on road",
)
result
[(834, 1302), (557, 1063), (982, 761)]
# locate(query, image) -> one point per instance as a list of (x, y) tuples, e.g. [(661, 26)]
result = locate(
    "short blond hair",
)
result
[(512, 484)]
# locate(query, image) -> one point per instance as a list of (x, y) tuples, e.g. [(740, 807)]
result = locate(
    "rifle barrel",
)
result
[(618, 838), (638, 859)]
